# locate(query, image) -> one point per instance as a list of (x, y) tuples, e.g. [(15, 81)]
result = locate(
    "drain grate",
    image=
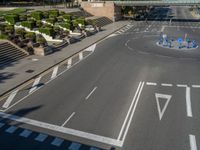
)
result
[(30, 71)]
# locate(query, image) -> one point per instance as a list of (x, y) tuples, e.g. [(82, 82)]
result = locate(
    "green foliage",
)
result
[(47, 31), (53, 13), (37, 15), (67, 26), (40, 40), (20, 32), (67, 17), (51, 20), (4, 37), (22, 17), (30, 35), (39, 23), (28, 24), (2, 27), (14, 11), (12, 19), (45, 14), (80, 21), (9, 29)]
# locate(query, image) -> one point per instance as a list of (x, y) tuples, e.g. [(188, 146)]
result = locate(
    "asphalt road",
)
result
[(129, 93)]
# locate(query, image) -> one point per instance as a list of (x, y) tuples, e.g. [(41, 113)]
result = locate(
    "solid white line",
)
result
[(151, 83), (77, 133), (55, 71), (91, 93), (34, 86), (132, 114), (193, 145), (166, 84), (10, 98), (181, 85), (129, 111), (80, 55), (69, 63), (68, 119), (196, 86), (188, 102)]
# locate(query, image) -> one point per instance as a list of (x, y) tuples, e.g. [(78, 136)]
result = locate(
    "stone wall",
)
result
[(106, 9)]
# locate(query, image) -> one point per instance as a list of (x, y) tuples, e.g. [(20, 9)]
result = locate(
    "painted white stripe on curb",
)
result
[(57, 142), (80, 55), (69, 63), (91, 48), (89, 136), (68, 119), (166, 84), (151, 83), (193, 144), (188, 102), (34, 86), (41, 137), (91, 93), (25, 133), (55, 71), (10, 98)]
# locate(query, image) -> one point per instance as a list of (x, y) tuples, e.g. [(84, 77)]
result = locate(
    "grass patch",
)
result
[(14, 11)]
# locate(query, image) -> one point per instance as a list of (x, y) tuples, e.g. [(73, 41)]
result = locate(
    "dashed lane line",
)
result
[(182, 85), (166, 84), (193, 144), (188, 102), (94, 89), (151, 83), (196, 86), (68, 119), (35, 85)]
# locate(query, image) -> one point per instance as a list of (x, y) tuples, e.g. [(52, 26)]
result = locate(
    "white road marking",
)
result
[(69, 63), (151, 83), (196, 86), (2, 124), (41, 137), (80, 55), (193, 144), (91, 48), (132, 114), (162, 29), (163, 96), (188, 102), (10, 98), (74, 146), (166, 84), (57, 142), (129, 111), (55, 71), (68, 119), (181, 85), (11, 129), (77, 133), (25, 133), (34, 86), (91, 93)]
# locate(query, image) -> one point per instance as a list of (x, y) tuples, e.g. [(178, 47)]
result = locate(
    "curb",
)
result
[(51, 67)]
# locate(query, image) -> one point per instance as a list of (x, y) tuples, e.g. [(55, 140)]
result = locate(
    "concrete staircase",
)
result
[(100, 21), (9, 53)]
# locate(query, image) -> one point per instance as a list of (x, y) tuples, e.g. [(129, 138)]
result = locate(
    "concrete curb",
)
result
[(49, 68)]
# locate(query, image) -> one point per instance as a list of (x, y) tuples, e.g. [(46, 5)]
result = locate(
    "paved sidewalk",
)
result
[(16, 73)]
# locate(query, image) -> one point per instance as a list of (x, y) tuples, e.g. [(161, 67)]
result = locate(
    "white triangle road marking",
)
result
[(163, 96)]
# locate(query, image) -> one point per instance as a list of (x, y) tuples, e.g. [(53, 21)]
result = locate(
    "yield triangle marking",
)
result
[(159, 97)]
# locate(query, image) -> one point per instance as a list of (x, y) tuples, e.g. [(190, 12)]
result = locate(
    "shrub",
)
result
[(60, 18), (4, 37), (30, 35), (66, 25), (51, 20), (37, 15), (45, 14), (2, 27), (54, 13), (9, 29), (67, 17), (40, 40), (22, 17), (28, 24), (12, 19), (20, 32), (80, 21), (39, 23), (47, 31)]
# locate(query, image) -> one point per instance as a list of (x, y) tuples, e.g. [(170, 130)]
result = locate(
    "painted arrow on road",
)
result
[(160, 97)]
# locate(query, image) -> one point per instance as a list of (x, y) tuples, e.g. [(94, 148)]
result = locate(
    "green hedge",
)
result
[(28, 24), (80, 21), (47, 31), (54, 13), (12, 19), (30, 35), (66, 25), (37, 15), (51, 20), (4, 37), (67, 17)]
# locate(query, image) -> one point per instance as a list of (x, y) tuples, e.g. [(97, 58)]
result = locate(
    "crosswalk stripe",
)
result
[(80, 55), (74, 146), (11, 129), (41, 137), (2, 124), (57, 142), (10, 98), (26, 133), (55, 71), (34, 86)]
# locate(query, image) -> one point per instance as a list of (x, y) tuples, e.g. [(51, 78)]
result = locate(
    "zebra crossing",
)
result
[(19, 94), (124, 29), (43, 138)]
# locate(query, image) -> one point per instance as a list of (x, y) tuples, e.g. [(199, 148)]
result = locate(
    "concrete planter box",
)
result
[(42, 51)]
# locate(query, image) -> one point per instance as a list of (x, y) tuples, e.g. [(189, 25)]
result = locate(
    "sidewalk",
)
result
[(16, 73)]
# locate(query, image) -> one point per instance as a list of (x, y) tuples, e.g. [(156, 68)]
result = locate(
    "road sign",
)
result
[(160, 97)]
